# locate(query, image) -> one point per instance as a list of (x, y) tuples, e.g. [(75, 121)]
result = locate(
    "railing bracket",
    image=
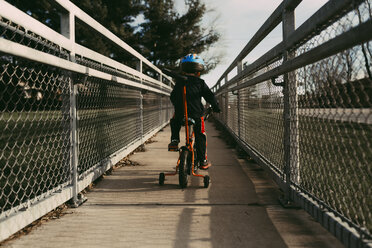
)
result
[(277, 84), (80, 200), (285, 203)]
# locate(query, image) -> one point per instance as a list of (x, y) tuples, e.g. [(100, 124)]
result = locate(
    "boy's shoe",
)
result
[(204, 165), (173, 146)]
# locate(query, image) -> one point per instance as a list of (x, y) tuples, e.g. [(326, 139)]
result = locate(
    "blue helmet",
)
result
[(192, 63)]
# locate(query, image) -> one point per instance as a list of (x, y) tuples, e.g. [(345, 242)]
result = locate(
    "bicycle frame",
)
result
[(189, 146), (189, 142)]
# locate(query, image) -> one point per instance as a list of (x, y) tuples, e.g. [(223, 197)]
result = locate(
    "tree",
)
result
[(166, 36), (43, 10), (115, 15), (163, 37)]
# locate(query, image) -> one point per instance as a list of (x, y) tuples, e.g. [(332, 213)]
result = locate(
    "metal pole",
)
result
[(240, 69), (141, 116), (161, 110), (139, 67), (74, 144), (77, 198), (294, 129), (68, 29), (290, 110), (226, 102)]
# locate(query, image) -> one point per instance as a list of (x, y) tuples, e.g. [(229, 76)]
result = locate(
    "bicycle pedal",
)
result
[(173, 149)]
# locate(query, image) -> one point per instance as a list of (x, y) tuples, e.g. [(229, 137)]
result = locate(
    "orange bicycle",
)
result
[(187, 154)]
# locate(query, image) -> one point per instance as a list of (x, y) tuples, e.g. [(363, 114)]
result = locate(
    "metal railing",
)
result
[(68, 113), (303, 110)]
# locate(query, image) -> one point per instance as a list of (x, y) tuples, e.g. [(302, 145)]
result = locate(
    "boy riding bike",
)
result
[(192, 65)]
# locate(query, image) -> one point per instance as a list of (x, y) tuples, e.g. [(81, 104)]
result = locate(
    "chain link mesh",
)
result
[(232, 111), (166, 109), (255, 114), (37, 104), (16, 33), (35, 137), (344, 22), (151, 111), (335, 123), (330, 110), (101, 67), (35, 118), (261, 118), (109, 119), (104, 68), (335, 127)]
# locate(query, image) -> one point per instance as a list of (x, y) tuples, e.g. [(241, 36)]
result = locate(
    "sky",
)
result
[(237, 21)]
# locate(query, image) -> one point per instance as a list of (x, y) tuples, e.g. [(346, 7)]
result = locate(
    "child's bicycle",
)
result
[(187, 154)]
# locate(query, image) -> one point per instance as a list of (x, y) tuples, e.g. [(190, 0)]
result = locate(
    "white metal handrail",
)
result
[(17, 16), (308, 99), (144, 107)]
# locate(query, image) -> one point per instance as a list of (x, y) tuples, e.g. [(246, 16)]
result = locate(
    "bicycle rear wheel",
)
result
[(183, 168)]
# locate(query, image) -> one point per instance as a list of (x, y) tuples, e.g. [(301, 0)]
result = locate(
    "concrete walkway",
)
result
[(129, 209)]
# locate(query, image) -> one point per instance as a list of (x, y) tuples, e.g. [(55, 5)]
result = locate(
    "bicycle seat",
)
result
[(190, 121)]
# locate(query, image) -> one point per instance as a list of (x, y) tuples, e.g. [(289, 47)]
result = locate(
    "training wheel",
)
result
[(206, 181), (161, 179)]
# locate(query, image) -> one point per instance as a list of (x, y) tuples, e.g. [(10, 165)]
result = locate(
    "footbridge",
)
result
[(291, 149)]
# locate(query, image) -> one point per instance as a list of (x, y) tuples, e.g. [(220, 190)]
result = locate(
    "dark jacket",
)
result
[(196, 88)]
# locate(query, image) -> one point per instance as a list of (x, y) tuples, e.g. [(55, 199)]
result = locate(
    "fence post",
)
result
[(139, 67), (77, 199), (290, 112), (161, 110), (240, 69), (141, 116), (226, 101), (68, 29), (161, 79)]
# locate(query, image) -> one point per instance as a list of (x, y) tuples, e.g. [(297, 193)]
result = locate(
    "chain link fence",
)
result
[(17, 33), (261, 125), (151, 113), (335, 125), (36, 123), (65, 119), (35, 138), (311, 122), (109, 119)]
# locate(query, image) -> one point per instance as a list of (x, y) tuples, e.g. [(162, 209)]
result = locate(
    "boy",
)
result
[(192, 65)]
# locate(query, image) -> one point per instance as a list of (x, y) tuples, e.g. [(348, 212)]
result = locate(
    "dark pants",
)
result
[(200, 135)]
